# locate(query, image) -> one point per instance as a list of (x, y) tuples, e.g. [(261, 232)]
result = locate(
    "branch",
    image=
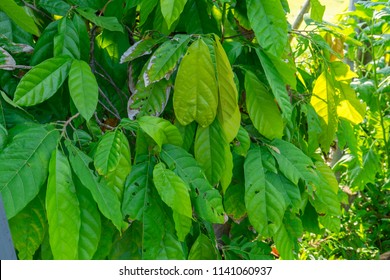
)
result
[(299, 18), (68, 122), (8, 67), (115, 113)]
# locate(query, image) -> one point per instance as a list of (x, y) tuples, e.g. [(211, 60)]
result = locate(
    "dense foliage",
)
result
[(193, 129)]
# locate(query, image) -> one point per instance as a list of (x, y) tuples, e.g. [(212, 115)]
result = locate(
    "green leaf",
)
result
[(13, 32), (196, 18), (82, 33), (228, 114), (107, 153), (293, 163), (172, 190), (63, 210), (19, 16), (342, 71), (140, 48), (58, 7), (206, 199), (276, 83), (316, 10), (165, 58), (196, 90), (28, 228), (105, 197), (233, 200), (364, 173), (188, 134), (44, 47), (202, 249), (242, 143), (210, 148), (160, 130), (109, 23), (171, 10), (67, 41), (262, 108), (42, 82), (264, 203), (285, 237), (3, 136), (24, 166), (269, 23), (175, 193), (83, 88), (90, 227), (323, 102)]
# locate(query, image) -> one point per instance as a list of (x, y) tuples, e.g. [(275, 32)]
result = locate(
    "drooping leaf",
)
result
[(196, 90), (90, 227), (269, 23), (44, 47), (109, 23), (63, 210), (24, 166), (42, 82), (165, 58), (277, 84), (28, 228), (105, 197), (19, 16), (206, 199), (172, 190), (175, 193), (262, 108), (202, 249), (83, 88), (228, 113), (66, 41), (107, 153), (323, 102), (210, 148), (160, 130), (264, 203), (171, 10)]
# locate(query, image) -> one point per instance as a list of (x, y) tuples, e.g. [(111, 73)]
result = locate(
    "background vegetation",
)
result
[(194, 129)]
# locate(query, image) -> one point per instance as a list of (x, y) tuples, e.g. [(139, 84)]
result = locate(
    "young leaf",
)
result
[(165, 58), (210, 148), (196, 90), (277, 84), (42, 82), (63, 210), (28, 228), (160, 130), (83, 88), (105, 197), (228, 114), (269, 23), (207, 200), (323, 102), (24, 166), (202, 249), (264, 203), (171, 10), (19, 16), (262, 108)]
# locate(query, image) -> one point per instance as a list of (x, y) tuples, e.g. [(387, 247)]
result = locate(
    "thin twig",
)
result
[(115, 113), (32, 7), (15, 67), (68, 122), (100, 123), (108, 78)]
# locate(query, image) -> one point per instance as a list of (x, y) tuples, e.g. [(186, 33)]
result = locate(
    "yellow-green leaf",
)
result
[(349, 107), (196, 90), (228, 114)]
